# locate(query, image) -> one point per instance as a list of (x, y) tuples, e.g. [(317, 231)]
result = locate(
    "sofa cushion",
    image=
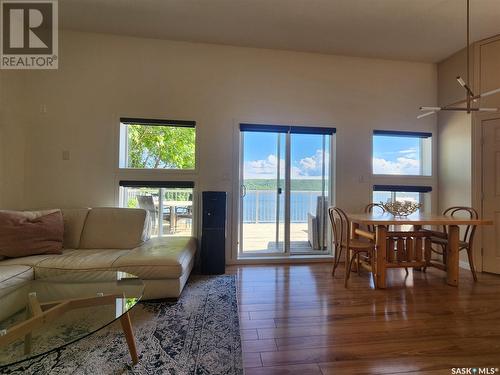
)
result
[(115, 228), (159, 258), (32, 260), (74, 220), (95, 259), (14, 277), (21, 235)]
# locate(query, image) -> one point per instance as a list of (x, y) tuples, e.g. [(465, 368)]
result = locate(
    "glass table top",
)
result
[(61, 307)]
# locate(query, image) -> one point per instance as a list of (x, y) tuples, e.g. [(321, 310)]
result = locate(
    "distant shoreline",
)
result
[(295, 184)]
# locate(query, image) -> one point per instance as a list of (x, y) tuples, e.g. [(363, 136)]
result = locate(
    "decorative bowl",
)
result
[(401, 208)]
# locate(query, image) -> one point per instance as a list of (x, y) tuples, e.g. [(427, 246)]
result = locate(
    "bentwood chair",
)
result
[(466, 241), (354, 248), (371, 207)]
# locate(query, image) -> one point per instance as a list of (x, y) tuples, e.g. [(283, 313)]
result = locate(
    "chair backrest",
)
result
[(374, 206), (468, 212), (341, 228), (369, 208), (146, 202)]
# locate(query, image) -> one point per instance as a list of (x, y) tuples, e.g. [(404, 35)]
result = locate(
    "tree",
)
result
[(161, 147)]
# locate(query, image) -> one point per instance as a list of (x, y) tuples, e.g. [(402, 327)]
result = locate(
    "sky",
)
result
[(392, 155), (260, 156), (396, 155)]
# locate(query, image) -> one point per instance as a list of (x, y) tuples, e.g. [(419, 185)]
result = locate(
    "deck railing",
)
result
[(259, 206)]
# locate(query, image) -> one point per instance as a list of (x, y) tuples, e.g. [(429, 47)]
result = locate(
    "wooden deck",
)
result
[(298, 320), (261, 237)]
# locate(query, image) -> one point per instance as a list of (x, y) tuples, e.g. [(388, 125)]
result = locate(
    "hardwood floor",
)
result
[(296, 319)]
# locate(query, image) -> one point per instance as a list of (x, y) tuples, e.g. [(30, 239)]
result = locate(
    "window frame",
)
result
[(408, 182), (422, 190), (407, 134), (163, 184), (123, 143)]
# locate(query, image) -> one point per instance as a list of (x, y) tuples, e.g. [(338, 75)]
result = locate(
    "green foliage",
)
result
[(161, 147), (295, 185), (179, 195), (132, 203)]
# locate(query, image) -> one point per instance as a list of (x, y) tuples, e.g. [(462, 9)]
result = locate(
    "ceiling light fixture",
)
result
[(470, 97)]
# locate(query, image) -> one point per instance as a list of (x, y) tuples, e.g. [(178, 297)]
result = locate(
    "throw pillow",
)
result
[(21, 235)]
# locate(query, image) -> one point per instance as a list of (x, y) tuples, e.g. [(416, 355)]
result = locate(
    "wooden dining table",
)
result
[(382, 222)]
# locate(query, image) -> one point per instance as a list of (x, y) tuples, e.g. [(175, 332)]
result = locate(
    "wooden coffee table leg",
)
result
[(33, 309), (129, 336)]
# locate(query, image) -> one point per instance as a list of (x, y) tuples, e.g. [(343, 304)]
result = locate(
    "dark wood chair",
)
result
[(341, 227), (467, 239)]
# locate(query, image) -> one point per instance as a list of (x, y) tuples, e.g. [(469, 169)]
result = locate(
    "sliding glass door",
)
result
[(262, 193), (309, 191), (285, 190)]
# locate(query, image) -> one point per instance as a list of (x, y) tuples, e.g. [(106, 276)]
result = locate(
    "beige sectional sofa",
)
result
[(109, 238)]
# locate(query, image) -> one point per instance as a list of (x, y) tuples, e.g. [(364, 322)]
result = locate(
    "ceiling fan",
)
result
[(471, 99)]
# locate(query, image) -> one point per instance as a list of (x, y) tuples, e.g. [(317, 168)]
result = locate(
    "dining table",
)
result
[(416, 241)]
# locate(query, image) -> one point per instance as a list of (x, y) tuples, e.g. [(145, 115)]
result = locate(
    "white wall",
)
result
[(102, 77), (455, 133), (14, 100)]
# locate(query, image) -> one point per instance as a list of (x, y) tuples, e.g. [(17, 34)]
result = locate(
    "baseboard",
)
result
[(282, 260)]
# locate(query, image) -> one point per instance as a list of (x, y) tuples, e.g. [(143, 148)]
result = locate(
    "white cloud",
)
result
[(308, 167), (311, 166), (264, 168), (410, 153), (402, 166)]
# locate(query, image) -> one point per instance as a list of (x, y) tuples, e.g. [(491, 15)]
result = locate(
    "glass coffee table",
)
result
[(62, 307)]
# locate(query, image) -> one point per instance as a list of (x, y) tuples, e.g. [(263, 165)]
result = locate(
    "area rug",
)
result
[(197, 334)]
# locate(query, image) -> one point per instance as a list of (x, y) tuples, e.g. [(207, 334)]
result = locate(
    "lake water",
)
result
[(260, 206)]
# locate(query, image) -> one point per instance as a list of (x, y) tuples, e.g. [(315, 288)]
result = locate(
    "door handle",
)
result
[(243, 191), (280, 190)]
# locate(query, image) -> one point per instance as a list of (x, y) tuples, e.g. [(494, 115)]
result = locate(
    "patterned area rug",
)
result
[(198, 334)]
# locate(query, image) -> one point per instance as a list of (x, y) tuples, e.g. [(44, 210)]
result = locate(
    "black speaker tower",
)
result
[(213, 234)]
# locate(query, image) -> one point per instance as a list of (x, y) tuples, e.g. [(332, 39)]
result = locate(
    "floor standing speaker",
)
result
[(213, 234)]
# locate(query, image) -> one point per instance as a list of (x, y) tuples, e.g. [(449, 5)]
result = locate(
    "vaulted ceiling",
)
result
[(416, 30)]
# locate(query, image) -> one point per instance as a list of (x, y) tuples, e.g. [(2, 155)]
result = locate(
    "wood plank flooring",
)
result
[(296, 319)]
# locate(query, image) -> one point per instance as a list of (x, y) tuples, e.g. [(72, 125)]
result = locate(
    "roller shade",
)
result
[(158, 184), (403, 188), (157, 122), (287, 129), (394, 133)]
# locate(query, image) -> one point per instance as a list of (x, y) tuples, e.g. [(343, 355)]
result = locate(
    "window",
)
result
[(285, 189), (169, 203), (391, 193), (157, 144), (402, 153)]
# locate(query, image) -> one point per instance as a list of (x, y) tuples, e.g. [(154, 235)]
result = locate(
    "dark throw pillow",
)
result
[(22, 236)]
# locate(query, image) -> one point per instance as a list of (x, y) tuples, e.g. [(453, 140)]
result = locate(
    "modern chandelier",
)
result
[(470, 99)]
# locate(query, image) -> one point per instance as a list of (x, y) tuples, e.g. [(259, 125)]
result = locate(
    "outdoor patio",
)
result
[(260, 237)]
